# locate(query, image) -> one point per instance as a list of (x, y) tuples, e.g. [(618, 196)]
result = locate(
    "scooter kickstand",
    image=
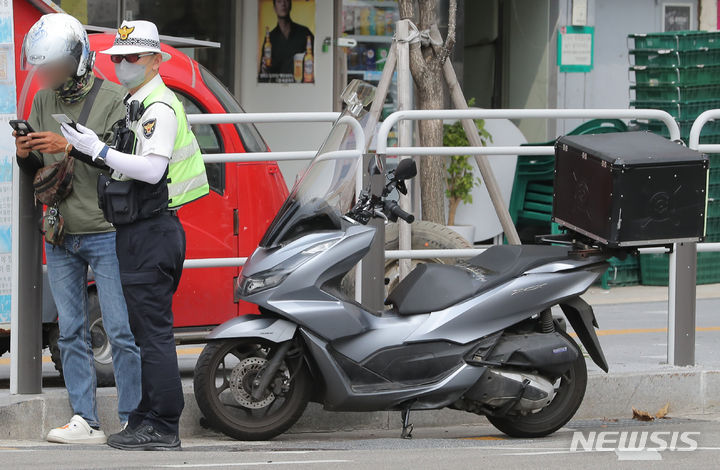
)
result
[(407, 428)]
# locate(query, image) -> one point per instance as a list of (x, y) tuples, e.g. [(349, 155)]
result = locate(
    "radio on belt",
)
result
[(630, 189)]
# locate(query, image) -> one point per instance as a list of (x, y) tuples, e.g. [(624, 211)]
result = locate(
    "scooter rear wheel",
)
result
[(569, 395), (222, 383)]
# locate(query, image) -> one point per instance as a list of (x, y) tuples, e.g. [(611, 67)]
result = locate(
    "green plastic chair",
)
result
[(532, 192)]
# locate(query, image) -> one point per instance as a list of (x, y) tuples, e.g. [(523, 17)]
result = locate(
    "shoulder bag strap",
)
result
[(89, 100)]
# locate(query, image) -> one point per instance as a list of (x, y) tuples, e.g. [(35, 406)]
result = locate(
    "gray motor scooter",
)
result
[(478, 336)]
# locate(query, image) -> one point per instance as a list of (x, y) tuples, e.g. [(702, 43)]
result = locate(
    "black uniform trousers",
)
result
[(151, 254)]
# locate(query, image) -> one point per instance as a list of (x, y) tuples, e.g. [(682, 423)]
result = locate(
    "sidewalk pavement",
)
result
[(633, 323)]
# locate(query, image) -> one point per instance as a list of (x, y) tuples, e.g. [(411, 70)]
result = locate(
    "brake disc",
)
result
[(241, 379)]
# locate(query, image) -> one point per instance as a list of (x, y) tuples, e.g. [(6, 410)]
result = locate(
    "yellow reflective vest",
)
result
[(186, 178)]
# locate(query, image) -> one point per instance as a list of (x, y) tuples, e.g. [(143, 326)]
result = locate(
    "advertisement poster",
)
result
[(7, 155), (286, 41)]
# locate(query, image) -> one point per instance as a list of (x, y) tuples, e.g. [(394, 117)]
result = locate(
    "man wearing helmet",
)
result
[(58, 50)]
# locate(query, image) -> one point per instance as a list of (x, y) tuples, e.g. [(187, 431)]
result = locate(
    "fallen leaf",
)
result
[(641, 415), (662, 412)]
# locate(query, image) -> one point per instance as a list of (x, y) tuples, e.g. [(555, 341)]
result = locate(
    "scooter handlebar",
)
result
[(394, 212)]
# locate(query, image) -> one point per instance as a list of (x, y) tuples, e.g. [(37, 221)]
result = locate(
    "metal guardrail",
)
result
[(257, 118), (696, 129), (252, 118), (673, 337), (684, 341), (421, 114), (390, 121)]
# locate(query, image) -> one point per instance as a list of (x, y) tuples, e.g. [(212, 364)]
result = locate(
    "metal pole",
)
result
[(26, 321), (682, 287), (373, 265), (493, 189), (681, 305), (254, 118), (372, 286), (382, 89), (402, 33)]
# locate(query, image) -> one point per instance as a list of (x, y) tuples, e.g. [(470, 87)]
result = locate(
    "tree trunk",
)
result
[(452, 210), (426, 66)]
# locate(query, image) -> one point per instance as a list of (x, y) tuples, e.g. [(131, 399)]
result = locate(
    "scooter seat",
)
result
[(508, 261), (433, 287)]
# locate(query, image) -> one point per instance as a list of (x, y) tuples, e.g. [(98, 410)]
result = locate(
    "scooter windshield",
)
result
[(326, 190)]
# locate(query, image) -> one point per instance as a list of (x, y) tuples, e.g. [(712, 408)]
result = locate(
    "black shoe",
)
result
[(127, 430), (144, 437)]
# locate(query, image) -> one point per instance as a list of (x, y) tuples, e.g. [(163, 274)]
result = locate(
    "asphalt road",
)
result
[(633, 337), (696, 445)]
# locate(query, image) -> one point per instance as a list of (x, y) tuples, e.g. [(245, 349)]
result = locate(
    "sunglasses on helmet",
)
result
[(132, 58)]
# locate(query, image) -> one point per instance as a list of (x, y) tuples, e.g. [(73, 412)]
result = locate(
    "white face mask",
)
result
[(130, 75)]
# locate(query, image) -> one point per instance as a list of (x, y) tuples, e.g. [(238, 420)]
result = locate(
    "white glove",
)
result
[(83, 139)]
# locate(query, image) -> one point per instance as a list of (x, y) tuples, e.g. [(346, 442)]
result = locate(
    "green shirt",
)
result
[(80, 210)]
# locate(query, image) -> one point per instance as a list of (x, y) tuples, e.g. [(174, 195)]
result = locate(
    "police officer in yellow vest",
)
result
[(157, 167)]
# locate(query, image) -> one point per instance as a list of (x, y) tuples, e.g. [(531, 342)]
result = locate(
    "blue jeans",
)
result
[(67, 273)]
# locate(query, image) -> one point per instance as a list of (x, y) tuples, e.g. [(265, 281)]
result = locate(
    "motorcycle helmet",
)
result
[(56, 38)]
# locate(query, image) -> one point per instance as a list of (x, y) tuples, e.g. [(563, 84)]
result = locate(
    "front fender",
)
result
[(276, 330)]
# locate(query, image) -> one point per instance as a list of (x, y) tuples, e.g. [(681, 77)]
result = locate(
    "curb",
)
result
[(688, 390)]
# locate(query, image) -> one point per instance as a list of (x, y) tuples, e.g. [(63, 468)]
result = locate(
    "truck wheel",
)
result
[(102, 351), (224, 375), (4, 345)]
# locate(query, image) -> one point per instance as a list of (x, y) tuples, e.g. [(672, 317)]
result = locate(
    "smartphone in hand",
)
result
[(21, 127), (63, 118)]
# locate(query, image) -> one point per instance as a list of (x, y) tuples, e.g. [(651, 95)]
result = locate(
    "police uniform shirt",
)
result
[(158, 124)]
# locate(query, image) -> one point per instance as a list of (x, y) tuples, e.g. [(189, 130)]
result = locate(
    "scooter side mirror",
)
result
[(406, 169)]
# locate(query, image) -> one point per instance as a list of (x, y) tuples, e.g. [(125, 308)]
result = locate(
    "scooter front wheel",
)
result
[(224, 374), (569, 393)]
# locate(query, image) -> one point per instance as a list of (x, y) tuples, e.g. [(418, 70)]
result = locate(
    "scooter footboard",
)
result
[(276, 330), (341, 395)]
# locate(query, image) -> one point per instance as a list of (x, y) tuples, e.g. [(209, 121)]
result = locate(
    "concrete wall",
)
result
[(529, 57), (531, 77), (708, 15), (607, 85), (480, 37)]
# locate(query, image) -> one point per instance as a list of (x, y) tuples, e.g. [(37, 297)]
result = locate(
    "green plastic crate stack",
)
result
[(677, 72), (621, 273)]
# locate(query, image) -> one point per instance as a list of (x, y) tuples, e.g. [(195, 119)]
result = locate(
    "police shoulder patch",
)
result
[(149, 127)]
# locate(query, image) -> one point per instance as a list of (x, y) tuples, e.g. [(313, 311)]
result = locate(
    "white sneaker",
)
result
[(77, 431)]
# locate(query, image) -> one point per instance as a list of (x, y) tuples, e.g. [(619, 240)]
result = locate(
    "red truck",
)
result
[(229, 222)]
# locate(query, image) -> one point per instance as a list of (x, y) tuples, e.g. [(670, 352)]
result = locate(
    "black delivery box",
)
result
[(630, 189)]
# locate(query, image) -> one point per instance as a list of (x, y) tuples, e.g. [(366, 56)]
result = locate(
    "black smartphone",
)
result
[(21, 126)]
